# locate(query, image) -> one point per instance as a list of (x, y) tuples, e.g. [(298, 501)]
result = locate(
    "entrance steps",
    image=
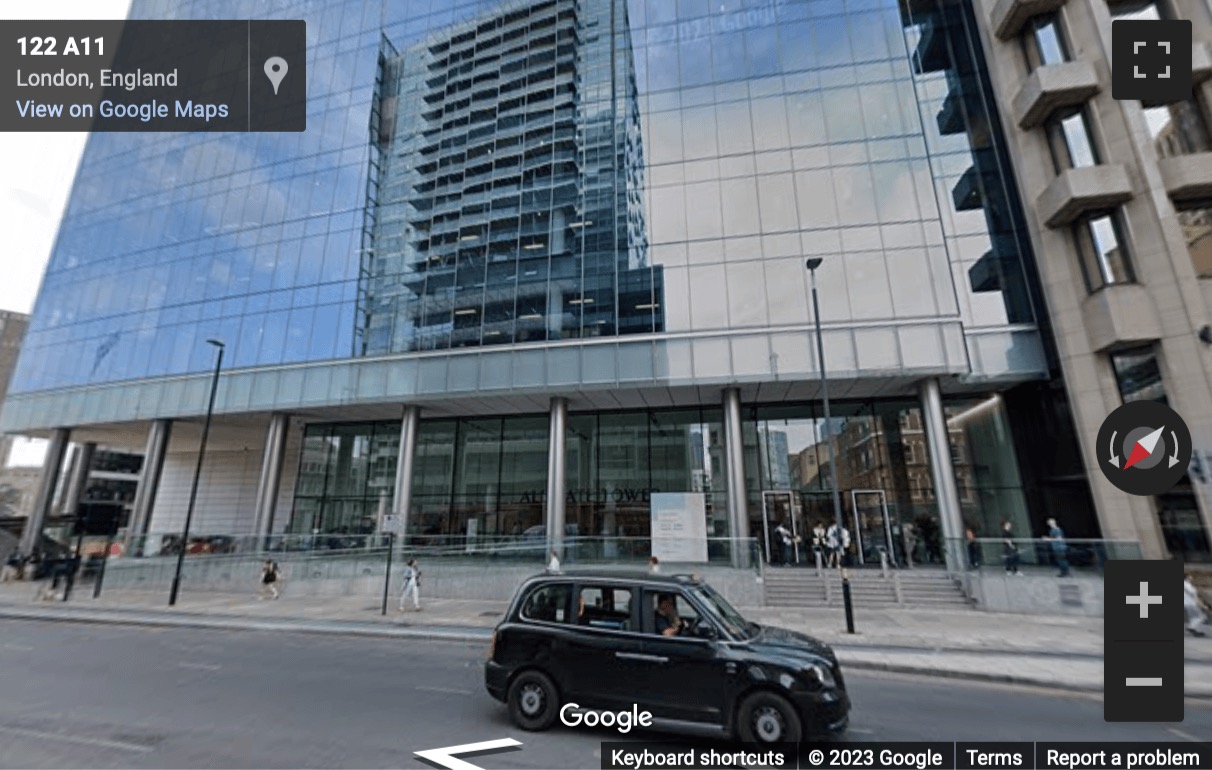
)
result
[(802, 587)]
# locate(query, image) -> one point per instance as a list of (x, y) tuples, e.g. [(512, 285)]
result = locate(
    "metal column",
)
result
[(556, 480), (942, 472), (734, 472), (410, 426), (271, 477), (77, 480), (45, 497), (158, 437)]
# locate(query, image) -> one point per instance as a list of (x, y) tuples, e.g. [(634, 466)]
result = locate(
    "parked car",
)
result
[(592, 638)]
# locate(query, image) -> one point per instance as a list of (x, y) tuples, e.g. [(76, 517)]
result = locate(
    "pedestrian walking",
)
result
[(1194, 608), (270, 575), (553, 566), (1010, 550), (1060, 549), (974, 548), (412, 585), (654, 565)]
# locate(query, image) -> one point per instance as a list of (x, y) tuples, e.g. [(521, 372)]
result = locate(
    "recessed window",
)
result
[(1197, 231), (1137, 375), (1179, 129), (1044, 42), (1103, 251), (1143, 10), (1071, 141)]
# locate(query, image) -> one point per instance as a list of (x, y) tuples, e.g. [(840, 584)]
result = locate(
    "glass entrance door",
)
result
[(872, 527), (777, 509)]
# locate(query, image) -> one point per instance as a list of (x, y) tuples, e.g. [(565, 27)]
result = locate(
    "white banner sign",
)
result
[(679, 526)]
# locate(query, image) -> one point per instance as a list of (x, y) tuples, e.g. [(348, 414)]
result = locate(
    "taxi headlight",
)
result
[(820, 676)]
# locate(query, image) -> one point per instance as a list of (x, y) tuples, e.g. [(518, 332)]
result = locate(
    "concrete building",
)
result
[(535, 262), (1118, 197)]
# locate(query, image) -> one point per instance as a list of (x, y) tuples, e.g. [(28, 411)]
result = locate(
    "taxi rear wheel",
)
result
[(533, 700), (768, 718)]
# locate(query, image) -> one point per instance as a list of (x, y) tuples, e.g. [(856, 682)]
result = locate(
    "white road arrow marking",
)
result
[(1114, 457), (445, 757)]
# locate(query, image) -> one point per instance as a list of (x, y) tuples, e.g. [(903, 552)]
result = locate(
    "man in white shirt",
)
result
[(412, 583)]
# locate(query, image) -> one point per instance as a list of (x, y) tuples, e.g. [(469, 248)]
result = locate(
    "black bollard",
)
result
[(846, 599), (391, 541)]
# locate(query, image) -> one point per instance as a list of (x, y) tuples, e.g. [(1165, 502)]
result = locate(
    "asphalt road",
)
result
[(74, 695)]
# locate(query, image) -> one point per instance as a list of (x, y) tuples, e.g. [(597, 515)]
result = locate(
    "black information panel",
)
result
[(153, 76), (926, 755), (1143, 637)]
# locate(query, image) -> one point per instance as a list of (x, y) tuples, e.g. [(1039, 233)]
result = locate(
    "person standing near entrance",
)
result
[(1060, 549), (412, 585), (837, 539), (783, 539), (909, 533)]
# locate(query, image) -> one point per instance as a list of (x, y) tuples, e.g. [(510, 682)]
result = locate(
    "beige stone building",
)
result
[(1118, 199)]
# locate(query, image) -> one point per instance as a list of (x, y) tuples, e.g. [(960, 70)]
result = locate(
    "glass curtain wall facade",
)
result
[(507, 179), (486, 172), (487, 477), (605, 195)]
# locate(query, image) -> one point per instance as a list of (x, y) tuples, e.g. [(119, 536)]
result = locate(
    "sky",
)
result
[(38, 173)]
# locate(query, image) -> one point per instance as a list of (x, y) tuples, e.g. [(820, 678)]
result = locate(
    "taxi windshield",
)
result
[(723, 613)]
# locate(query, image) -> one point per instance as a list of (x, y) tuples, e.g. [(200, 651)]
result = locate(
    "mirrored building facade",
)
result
[(534, 261)]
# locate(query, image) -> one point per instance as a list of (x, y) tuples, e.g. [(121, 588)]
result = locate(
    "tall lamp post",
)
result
[(193, 491), (812, 264)]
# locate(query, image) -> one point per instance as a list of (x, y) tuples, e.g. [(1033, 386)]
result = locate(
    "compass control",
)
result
[(1144, 448)]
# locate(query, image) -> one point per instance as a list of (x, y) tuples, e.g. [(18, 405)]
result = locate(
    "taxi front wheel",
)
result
[(534, 703), (767, 718)]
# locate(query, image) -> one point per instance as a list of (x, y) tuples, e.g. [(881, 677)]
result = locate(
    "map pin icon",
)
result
[(275, 70)]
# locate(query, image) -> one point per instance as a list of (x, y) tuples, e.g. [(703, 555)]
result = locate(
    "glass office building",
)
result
[(534, 261)]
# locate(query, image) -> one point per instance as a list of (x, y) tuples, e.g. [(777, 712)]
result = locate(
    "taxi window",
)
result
[(548, 603), (680, 614), (604, 607)]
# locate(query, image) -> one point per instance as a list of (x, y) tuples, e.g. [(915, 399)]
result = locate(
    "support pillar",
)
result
[(271, 477), (942, 471), (45, 497), (158, 437), (734, 472), (401, 506), (77, 480), (556, 480)]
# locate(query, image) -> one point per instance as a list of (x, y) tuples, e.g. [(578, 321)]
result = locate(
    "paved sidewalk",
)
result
[(1045, 651)]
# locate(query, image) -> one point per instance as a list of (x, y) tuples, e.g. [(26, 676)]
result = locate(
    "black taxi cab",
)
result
[(670, 645)]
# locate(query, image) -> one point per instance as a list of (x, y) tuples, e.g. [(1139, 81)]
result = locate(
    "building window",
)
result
[(1143, 10), (1104, 251), (1179, 129), (1044, 42), (1137, 375), (1197, 230), (1071, 141)]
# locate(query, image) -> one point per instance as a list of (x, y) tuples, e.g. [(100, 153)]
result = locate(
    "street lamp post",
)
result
[(193, 491), (812, 264)]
